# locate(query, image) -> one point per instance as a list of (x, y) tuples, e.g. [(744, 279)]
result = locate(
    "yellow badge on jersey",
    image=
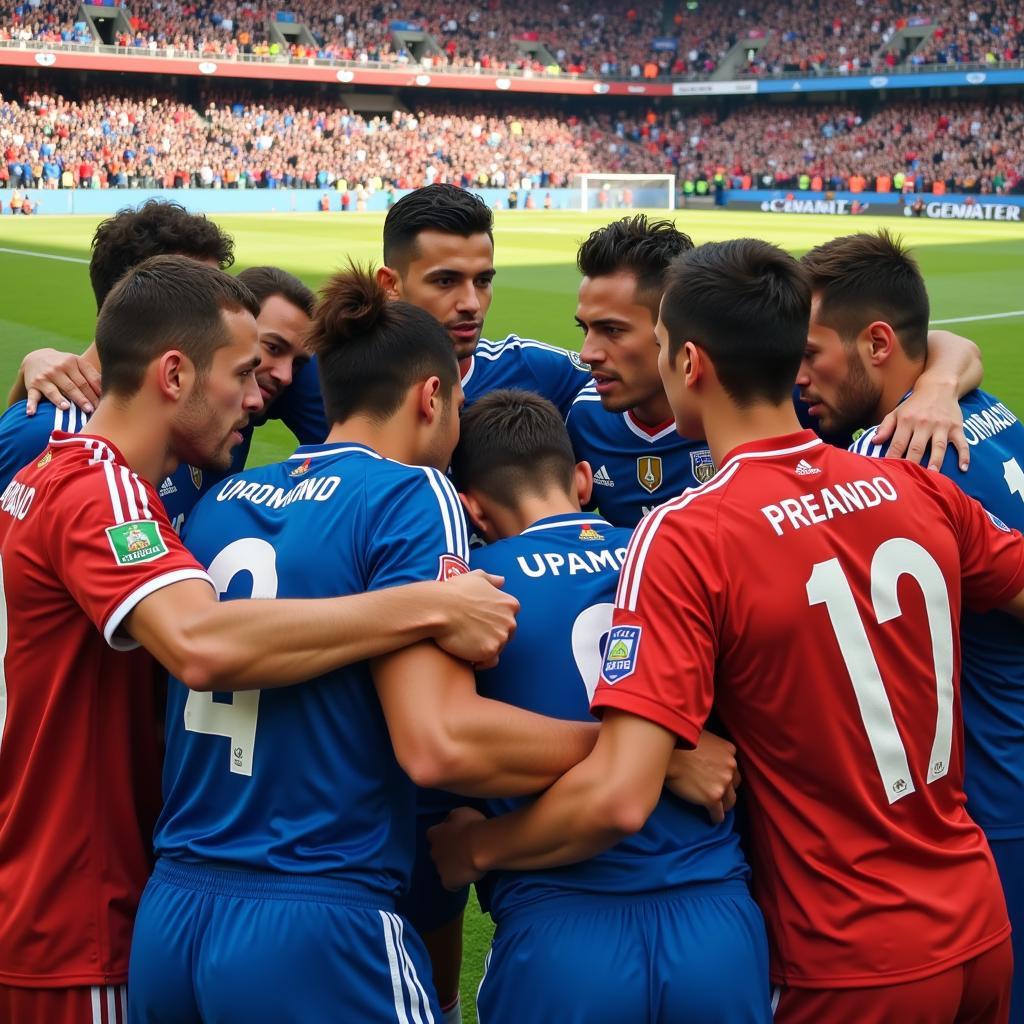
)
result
[(303, 469), (589, 533), (45, 460), (648, 472), (197, 477)]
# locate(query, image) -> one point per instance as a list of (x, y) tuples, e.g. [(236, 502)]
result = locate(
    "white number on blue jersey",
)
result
[(3, 655), (591, 626), (235, 721), (828, 585), (1014, 477)]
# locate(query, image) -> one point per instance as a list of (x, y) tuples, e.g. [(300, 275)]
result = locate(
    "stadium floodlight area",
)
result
[(624, 192)]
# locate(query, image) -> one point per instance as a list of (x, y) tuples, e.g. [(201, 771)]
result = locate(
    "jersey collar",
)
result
[(320, 451), (648, 433), (576, 519), (773, 447)]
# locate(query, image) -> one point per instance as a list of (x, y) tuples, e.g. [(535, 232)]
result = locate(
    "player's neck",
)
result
[(90, 355), (727, 426), (134, 432), (655, 412), (901, 377), (394, 438), (532, 509)]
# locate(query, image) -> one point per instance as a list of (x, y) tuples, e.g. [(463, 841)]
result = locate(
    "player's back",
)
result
[(303, 779), (834, 587), (993, 669), (636, 467), (564, 571)]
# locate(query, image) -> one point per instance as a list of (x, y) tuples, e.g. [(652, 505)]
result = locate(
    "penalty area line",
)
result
[(44, 255), (984, 316)]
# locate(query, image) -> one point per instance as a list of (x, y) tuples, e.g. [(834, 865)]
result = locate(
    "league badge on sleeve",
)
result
[(620, 653), (450, 567), (138, 541), (997, 522)]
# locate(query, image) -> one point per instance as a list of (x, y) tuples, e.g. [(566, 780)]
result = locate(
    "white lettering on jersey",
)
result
[(314, 488), (603, 560), (980, 426), (824, 505), (17, 499)]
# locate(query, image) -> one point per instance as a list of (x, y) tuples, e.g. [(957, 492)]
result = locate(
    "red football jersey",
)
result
[(82, 541), (814, 596)]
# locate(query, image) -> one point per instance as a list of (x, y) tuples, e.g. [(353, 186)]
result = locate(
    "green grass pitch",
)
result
[(973, 270)]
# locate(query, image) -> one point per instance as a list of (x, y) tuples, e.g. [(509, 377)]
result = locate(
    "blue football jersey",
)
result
[(23, 437), (303, 779), (992, 684), (635, 467), (564, 571), (300, 406)]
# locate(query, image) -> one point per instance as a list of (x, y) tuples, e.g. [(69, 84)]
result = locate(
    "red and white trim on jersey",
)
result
[(405, 982), (632, 568), (645, 432), (109, 1004)]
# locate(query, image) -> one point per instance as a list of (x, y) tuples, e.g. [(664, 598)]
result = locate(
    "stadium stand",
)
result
[(230, 140)]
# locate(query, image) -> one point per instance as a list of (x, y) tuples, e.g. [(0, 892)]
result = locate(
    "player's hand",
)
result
[(707, 775), (930, 416), (449, 847), (62, 378), (479, 617)]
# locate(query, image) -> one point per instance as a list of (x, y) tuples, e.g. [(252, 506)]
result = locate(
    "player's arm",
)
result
[(59, 377), (240, 645), (604, 798), (931, 415), (447, 736)]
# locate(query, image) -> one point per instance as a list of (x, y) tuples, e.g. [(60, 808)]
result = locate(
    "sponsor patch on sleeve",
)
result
[(450, 567), (620, 653), (138, 541), (997, 522)]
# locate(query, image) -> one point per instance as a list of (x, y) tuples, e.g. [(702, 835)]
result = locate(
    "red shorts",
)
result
[(974, 992), (99, 1004)]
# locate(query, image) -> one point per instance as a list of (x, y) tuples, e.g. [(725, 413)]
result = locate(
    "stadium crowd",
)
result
[(617, 38), (233, 141)]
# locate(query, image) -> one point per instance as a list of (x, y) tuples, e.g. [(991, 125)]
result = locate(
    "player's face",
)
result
[(451, 278), (282, 329), (618, 341), (209, 425), (834, 381)]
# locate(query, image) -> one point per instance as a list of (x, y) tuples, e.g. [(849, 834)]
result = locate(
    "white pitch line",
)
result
[(986, 316), (45, 255)]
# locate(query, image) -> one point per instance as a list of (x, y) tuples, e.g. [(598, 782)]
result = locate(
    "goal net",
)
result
[(625, 192)]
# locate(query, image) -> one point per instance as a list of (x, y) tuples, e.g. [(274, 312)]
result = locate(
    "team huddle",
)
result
[(723, 720)]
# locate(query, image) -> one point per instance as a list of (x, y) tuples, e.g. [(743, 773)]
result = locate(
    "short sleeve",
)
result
[(117, 547), (560, 374), (301, 406), (991, 554), (660, 655), (419, 531)]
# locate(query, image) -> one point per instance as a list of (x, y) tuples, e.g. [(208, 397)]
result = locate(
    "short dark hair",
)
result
[(513, 443), (865, 277), (264, 282), (156, 228), (445, 208), (166, 302), (371, 350), (638, 246), (747, 304)]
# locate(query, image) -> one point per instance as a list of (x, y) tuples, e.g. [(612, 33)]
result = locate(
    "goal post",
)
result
[(625, 191)]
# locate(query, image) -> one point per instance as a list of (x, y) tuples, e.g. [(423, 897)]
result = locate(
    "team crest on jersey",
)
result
[(45, 460), (589, 533), (138, 541), (997, 522), (197, 477), (450, 567), (620, 653), (648, 472), (702, 464), (301, 470)]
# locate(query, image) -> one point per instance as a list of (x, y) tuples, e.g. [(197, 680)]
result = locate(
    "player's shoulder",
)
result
[(528, 349), (22, 437)]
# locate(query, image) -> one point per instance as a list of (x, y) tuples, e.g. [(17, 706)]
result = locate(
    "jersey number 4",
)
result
[(235, 721), (829, 586)]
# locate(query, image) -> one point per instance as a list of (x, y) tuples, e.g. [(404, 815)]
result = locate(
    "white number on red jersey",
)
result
[(828, 585), (235, 721)]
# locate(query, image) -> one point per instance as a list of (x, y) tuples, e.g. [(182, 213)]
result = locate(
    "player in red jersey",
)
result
[(90, 569), (813, 596)]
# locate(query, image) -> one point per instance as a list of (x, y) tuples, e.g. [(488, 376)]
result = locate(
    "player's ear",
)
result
[(583, 478), (175, 375), (389, 281), (692, 363), (881, 342), (477, 515)]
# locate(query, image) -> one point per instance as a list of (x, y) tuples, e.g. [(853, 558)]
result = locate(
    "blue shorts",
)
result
[(1009, 855), (428, 904), (218, 946), (695, 954)]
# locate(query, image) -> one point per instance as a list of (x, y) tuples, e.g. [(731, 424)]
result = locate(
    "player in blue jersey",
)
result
[(865, 353), (646, 931), (288, 826), (638, 458)]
